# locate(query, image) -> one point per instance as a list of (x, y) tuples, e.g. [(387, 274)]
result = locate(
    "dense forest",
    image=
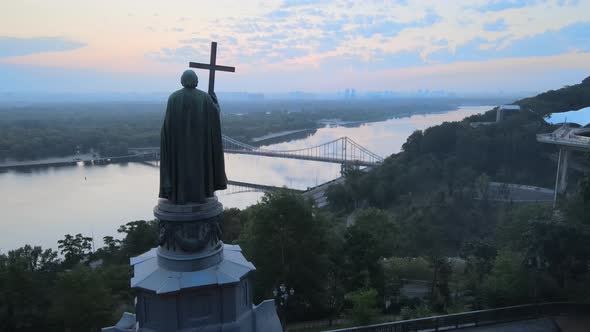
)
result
[(109, 129), (451, 156), (513, 253), (565, 99), (422, 214)]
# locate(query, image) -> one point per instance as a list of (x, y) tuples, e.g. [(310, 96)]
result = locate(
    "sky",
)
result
[(142, 46)]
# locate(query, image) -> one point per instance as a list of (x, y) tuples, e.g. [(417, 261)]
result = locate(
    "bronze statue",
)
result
[(191, 151)]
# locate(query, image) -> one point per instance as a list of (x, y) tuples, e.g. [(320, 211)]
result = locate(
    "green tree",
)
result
[(286, 241), (26, 277), (364, 306), (507, 283), (340, 198), (479, 258), (335, 276), (440, 293), (413, 144), (372, 237), (514, 223), (81, 301), (557, 248), (111, 252), (140, 236), (116, 279), (35, 258), (75, 249), (232, 225)]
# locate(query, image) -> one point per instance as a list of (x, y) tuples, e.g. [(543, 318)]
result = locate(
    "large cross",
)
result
[(212, 67)]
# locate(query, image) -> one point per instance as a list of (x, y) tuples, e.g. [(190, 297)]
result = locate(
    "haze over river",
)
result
[(40, 206)]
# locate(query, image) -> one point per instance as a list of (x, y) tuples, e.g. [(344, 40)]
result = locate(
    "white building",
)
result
[(504, 110)]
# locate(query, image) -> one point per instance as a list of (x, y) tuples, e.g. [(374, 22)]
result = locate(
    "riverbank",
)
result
[(11, 163), (99, 198), (279, 134), (87, 160), (38, 132)]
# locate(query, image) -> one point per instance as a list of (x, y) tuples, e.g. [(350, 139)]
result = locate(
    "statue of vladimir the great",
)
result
[(191, 151)]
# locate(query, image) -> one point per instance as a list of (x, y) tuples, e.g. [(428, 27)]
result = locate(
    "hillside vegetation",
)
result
[(449, 158), (565, 99)]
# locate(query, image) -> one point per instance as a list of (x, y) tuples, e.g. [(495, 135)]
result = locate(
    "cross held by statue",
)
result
[(212, 67)]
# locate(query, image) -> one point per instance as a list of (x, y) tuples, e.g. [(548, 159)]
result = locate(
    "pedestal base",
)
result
[(217, 298), (192, 281)]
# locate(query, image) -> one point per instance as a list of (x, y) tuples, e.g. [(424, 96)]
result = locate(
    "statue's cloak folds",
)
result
[(191, 151)]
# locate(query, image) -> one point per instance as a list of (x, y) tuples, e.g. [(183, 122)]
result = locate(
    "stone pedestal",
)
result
[(194, 282)]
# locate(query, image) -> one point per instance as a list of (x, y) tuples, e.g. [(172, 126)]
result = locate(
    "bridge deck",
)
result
[(301, 157), (567, 137), (258, 186)]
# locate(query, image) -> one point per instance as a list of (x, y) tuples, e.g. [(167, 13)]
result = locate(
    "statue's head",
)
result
[(189, 79)]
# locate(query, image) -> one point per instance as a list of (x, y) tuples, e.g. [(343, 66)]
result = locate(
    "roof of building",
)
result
[(510, 107), (581, 117)]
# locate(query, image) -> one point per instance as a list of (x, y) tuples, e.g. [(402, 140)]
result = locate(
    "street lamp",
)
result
[(281, 298)]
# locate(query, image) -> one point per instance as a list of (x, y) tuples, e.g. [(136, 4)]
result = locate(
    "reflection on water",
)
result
[(385, 137), (42, 204)]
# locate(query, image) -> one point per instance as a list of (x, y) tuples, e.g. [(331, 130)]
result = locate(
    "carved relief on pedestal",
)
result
[(190, 236)]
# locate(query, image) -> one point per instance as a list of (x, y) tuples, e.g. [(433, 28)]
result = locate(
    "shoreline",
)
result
[(278, 134), (105, 221), (275, 138)]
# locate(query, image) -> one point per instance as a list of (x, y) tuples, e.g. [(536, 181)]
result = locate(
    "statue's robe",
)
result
[(191, 151)]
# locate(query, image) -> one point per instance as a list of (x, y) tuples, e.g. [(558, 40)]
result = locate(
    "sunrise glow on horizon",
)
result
[(462, 45)]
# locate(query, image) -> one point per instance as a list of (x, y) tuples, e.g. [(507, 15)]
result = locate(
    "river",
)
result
[(40, 206)]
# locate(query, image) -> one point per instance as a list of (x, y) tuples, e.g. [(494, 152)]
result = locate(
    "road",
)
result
[(508, 192)]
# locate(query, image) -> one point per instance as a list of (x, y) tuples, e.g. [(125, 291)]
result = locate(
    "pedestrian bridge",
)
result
[(341, 151), (235, 187)]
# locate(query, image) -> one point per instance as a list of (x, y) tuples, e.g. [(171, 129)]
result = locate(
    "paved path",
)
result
[(534, 325), (508, 192)]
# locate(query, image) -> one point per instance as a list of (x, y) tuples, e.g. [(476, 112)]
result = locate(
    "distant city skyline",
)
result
[(24, 96), (461, 46)]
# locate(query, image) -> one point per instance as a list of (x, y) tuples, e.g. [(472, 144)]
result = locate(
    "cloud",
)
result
[(182, 54), (337, 36), (299, 3), (194, 41), (500, 5), (498, 25), (323, 38), (573, 38), (14, 46)]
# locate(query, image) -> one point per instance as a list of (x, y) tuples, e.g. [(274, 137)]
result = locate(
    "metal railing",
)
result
[(477, 318)]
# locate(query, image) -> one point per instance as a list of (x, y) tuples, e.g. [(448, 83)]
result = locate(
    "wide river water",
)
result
[(40, 206)]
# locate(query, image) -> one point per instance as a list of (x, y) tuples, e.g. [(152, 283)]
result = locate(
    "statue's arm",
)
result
[(165, 181), (214, 98), (217, 146)]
